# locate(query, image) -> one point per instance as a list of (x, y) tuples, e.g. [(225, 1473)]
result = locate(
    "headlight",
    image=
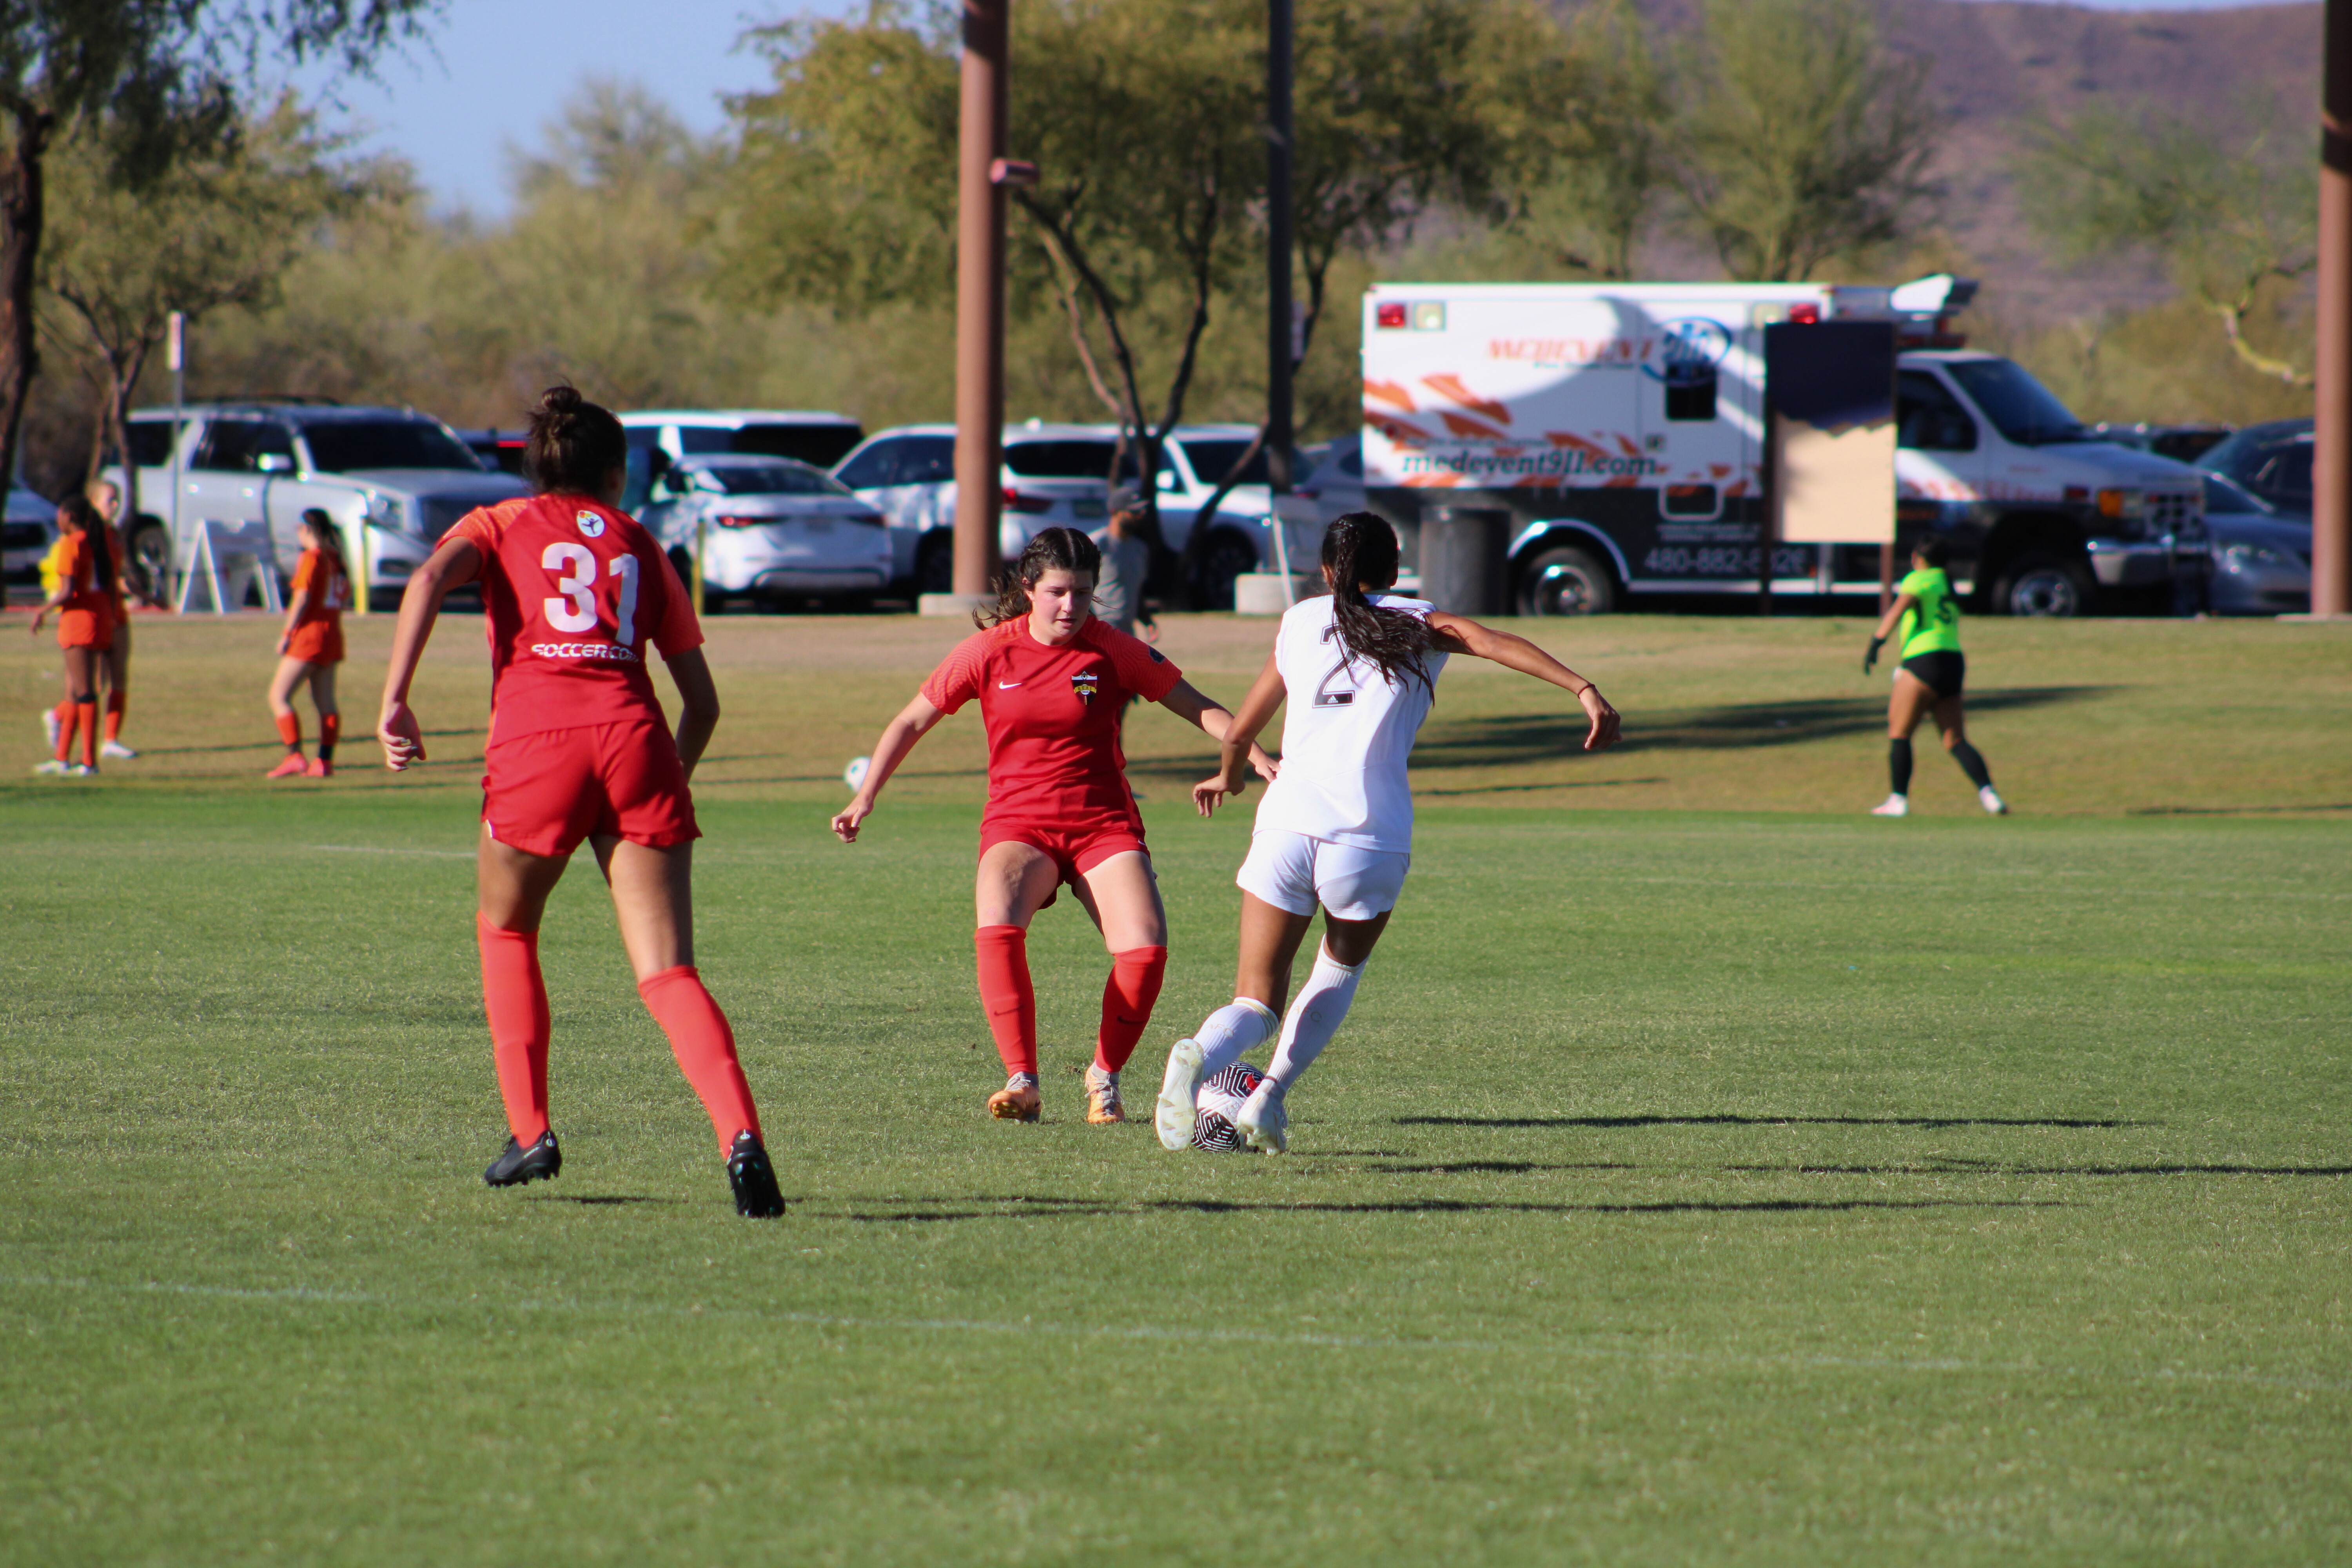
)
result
[(2239, 556), (384, 512), (2122, 503)]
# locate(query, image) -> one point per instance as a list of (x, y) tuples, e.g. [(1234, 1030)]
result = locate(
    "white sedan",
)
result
[(770, 528)]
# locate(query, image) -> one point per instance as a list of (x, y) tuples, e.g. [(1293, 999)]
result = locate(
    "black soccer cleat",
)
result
[(754, 1179), (519, 1164)]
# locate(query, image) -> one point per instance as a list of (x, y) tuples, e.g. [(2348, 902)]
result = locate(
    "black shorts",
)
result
[(1942, 672)]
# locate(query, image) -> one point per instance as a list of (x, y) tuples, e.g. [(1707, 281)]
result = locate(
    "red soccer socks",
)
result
[(705, 1047), (515, 998), (289, 729), (1007, 995), (1128, 997), (331, 727), (115, 715), (86, 727)]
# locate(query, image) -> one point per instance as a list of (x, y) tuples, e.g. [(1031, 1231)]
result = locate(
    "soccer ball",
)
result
[(854, 775), (1222, 1095)]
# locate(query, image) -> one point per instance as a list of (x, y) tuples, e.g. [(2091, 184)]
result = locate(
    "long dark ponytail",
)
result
[(331, 538), (83, 513), (1062, 548), (1361, 548)]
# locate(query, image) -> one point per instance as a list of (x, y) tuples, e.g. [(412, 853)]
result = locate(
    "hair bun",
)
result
[(560, 400)]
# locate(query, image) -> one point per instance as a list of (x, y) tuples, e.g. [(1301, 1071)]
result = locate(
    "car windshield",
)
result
[(355, 445), (767, 479), (2223, 495), (2020, 407), (2282, 474), (1060, 459)]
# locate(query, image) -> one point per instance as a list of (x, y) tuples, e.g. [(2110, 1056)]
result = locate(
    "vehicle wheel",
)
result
[(2046, 585), (1566, 582), (150, 562), (935, 562), (1228, 556)]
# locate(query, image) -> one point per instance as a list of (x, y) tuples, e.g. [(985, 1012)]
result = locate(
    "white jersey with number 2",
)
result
[(1346, 734)]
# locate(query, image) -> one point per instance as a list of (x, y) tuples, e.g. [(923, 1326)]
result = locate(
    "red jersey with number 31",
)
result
[(575, 593)]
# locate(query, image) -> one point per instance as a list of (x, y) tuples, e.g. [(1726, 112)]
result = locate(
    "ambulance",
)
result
[(1621, 426)]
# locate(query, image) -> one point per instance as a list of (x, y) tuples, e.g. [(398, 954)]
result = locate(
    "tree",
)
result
[(212, 229), (1797, 136), (1613, 169), (162, 70), (2227, 215)]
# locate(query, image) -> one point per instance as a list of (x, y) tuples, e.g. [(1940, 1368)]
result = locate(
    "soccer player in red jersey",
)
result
[(311, 646), (88, 571), (1051, 681), (574, 590)]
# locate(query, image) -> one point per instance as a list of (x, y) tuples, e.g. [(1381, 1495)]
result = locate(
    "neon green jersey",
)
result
[(1932, 625)]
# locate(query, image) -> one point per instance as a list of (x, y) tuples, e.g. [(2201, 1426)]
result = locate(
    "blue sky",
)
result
[(499, 69)]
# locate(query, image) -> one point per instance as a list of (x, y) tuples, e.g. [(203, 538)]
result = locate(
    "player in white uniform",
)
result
[(1358, 671)]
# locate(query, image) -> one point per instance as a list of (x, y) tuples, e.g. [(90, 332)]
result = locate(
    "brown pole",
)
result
[(2331, 477), (980, 302)]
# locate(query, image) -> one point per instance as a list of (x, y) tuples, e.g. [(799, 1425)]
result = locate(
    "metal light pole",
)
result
[(176, 354), (1280, 331), (2331, 477), (981, 173)]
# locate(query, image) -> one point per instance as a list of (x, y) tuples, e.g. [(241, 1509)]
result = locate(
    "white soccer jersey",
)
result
[(1346, 733)]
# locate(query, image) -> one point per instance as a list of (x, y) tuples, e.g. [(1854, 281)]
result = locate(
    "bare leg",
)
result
[(1122, 895), (1012, 884), (290, 675), (653, 899)]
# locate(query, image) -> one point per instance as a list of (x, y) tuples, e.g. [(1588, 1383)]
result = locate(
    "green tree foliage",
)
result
[(216, 227), (1610, 167), (2231, 216), (1797, 136)]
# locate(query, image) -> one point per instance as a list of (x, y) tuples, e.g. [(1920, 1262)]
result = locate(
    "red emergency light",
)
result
[(1804, 315), (1390, 314)]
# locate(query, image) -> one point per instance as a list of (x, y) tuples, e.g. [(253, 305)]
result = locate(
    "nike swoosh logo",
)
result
[(1006, 685)]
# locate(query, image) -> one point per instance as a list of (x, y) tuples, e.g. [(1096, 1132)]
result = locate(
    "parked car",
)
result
[(499, 450), (29, 529), (1336, 484), (1196, 458), (660, 436), (772, 530), (2270, 461), (393, 477), (2262, 554), (2181, 443), (1055, 476)]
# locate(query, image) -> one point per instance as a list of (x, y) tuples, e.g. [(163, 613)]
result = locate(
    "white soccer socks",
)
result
[(1315, 1017), (1233, 1032)]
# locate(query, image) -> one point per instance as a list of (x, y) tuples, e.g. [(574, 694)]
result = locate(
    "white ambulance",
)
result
[(1621, 426)]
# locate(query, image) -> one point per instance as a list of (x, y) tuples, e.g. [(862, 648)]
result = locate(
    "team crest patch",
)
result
[(590, 524), (1083, 683)]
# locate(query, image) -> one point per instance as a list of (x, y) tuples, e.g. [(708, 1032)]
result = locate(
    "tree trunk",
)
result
[(20, 244)]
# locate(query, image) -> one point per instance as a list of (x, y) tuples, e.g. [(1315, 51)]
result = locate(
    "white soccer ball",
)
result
[(854, 775)]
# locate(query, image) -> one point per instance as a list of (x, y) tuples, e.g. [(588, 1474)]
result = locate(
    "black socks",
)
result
[(1899, 765), (1972, 764)]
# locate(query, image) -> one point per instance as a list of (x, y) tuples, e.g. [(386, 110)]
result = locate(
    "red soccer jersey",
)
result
[(1052, 717), (575, 591)]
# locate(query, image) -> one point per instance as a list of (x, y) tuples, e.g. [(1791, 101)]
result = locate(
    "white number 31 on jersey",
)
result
[(575, 581)]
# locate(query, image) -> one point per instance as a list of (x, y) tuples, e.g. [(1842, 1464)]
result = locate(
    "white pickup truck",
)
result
[(1621, 426), (395, 480)]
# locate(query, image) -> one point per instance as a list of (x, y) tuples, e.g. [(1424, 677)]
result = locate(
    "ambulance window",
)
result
[(1690, 391), (1929, 418)]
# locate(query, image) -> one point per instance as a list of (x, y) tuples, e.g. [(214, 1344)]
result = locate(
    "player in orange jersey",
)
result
[(84, 600), (573, 591), (116, 669), (1051, 681), (310, 648)]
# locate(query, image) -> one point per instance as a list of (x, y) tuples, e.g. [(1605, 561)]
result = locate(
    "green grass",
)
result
[(1685, 1187)]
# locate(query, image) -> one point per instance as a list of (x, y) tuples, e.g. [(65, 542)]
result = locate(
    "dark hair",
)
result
[(574, 444), (1934, 551), (81, 513), (1361, 548), (1054, 549), (322, 528)]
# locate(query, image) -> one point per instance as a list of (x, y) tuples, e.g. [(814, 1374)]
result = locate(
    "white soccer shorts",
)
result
[(1293, 872)]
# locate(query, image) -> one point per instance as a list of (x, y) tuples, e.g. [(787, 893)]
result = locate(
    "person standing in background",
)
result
[(108, 499), (1126, 567)]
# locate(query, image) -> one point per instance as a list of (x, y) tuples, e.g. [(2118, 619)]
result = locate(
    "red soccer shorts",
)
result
[(544, 793), (1076, 848)]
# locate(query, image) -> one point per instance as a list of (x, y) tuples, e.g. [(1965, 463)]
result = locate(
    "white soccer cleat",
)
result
[(50, 727), (81, 771), (53, 766), (1262, 1123), (1992, 801), (1894, 806), (116, 751), (1180, 1094)]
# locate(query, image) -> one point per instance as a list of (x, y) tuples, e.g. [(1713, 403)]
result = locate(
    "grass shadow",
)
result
[(1614, 1122), (1033, 1207)]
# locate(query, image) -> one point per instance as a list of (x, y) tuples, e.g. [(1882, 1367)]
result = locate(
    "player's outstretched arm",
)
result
[(454, 565), (1887, 625), (1187, 703), (1258, 709), (1460, 633), (697, 697), (898, 737)]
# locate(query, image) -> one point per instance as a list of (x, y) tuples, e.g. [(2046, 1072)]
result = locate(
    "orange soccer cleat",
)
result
[(1104, 1106), (1018, 1101), (320, 768), (291, 767)]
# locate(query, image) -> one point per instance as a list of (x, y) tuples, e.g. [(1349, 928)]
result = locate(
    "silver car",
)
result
[(2261, 552), (769, 529), (1055, 476)]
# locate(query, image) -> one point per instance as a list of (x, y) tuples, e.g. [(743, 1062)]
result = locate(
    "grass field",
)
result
[(1703, 1180)]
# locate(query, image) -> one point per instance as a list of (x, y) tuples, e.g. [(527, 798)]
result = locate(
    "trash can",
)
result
[(1461, 558)]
